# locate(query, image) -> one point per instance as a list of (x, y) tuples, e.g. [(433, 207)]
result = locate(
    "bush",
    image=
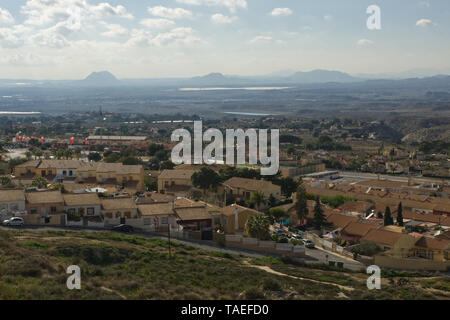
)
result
[(271, 285), (367, 249), (254, 294)]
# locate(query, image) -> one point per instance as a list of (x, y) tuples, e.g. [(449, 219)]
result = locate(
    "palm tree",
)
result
[(258, 199)]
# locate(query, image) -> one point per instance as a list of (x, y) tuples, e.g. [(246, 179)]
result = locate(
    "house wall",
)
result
[(131, 213), (178, 182), (229, 227), (11, 206), (47, 206), (97, 209), (35, 219)]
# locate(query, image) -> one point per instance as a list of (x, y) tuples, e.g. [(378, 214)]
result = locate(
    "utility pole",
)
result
[(170, 248)]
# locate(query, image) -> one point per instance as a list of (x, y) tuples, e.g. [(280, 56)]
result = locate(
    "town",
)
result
[(394, 218)]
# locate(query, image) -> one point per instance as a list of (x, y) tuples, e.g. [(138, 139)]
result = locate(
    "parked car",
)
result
[(309, 244), (16, 221), (296, 236), (123, 228)]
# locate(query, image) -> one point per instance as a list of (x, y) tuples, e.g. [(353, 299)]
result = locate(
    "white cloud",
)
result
[(157, 23), (281, 12), (170, 13), (5, 16), (177, 36), (261, 39), (222, 19), (114, 30), (424, 23), (232, 5), (43, 12), (425, 4), (364, 42), (327, 17), (9, 38)]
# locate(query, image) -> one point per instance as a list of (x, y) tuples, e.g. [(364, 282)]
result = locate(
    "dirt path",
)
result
[(113, 291), (270, 270)]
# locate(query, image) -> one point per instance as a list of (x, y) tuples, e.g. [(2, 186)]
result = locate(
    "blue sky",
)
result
[(68, 39)]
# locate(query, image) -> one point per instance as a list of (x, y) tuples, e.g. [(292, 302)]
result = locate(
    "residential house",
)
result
[(340, 221), (234, 218), (358, 208), (242, 188), (383, 238), (193, 218), (84, 207), (432, 249), (44, 203), (354, 231), (119, 210), (158, 216), (175, 182), (12, 202)]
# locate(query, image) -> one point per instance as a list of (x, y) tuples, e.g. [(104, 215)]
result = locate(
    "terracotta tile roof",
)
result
[(431, 243), (72, 200), (193, 213), (118, 168), (118, 204), (249, 184), (12, 195), (341, 220), (383, 237), (44, 197), (176, 174), (229, 210), (359, 228), (356, 206), (156, 209)]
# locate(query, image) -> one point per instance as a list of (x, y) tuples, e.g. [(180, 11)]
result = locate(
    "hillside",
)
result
[(113, 266)]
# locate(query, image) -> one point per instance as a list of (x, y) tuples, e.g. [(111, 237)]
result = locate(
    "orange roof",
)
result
[(359, 228), (383, 237), (341, 220), (432, 243)]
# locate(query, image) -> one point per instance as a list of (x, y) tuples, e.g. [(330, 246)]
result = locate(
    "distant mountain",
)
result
[(211, 79), (102, 78), (322, 76)]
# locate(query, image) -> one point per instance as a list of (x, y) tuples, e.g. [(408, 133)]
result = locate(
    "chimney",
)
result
[(236, 218)]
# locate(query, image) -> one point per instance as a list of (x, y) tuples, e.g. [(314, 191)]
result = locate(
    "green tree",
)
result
[(277, 213), (288, 186), (400, 215), (166, 165), (161, 155), (153, 148), (257, 226), (206, 179), (319, 216), (129, 161), (40, 183), (388, 220), (94, 156), (151, 183), (301, 204), (257, 199)]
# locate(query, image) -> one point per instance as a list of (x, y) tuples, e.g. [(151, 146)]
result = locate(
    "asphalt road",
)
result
[(312, 255)]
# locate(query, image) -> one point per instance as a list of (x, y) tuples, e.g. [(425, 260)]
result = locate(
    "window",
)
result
[(64, 173), (164, 220), (33, 211), (216, 221), (147, 221), (118, 215), (70, 173), (53, 209), (81, 211), (90, 211)]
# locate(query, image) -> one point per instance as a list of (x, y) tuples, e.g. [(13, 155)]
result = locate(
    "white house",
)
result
[(12, 202)]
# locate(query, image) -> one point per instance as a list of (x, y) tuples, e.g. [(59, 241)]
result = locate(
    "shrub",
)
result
[(254, 294), (271, 285)]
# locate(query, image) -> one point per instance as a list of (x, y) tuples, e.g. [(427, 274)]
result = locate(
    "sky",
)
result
[(69, 39)]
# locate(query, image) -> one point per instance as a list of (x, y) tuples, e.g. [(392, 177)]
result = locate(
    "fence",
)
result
[(267, 246)]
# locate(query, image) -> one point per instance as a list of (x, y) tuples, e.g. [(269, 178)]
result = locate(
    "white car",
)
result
[(13, 222)]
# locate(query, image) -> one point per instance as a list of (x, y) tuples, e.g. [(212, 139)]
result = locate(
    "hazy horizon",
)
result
[(154, 39)]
